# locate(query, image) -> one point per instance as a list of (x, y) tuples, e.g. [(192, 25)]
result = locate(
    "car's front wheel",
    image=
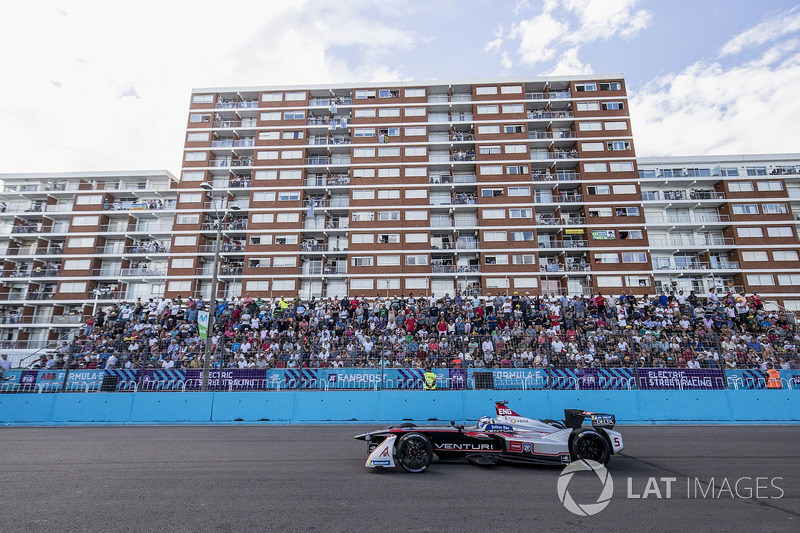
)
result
[(590, 445), (414, 452)]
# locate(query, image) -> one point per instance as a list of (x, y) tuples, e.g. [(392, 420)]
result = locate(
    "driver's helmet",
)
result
[(483, 421)]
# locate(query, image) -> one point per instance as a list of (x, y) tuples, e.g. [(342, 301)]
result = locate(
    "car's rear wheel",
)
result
[(414, 452), (555, 423), (590, 445)]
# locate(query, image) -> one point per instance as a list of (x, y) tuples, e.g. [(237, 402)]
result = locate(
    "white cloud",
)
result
[(505, 61), (603, 19), (769, 30), (537, 36), (569, 64), (494, 46), (708, 109)]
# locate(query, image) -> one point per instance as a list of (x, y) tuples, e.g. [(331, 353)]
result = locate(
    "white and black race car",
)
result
[(507, 438)]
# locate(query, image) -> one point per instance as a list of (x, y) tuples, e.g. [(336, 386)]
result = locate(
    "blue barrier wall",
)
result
[(311, 406)]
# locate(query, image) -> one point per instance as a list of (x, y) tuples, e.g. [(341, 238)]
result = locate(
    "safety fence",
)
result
[(347, 379)]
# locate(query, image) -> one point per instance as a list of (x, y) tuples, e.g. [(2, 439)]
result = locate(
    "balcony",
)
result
[(685, 219), (235, 225), (463, 155), (58, 208), (536, 115), (27, 228), (458, 136), (576, 243), (466, 244), (106, 272), (566, 197), (577, 267), (146, 248), (552, 267), (246, 123), (143, 205), (670, 196), (47, 272), (51, 250), (697, 241), (144, 271), (438, 268), (312, 246), (565, 154)]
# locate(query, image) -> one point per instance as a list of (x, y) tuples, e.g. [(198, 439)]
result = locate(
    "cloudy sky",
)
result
[(98, 85)]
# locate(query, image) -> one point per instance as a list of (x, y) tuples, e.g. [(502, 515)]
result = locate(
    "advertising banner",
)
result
[(680, 378), (202, 324)]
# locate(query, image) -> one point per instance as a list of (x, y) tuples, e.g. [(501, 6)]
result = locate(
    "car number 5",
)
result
[(617, 442)]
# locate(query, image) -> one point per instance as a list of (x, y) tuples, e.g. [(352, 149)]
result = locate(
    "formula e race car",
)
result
[(507, 438)]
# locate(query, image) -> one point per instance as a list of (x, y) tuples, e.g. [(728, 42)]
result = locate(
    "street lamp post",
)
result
[(214, 281)]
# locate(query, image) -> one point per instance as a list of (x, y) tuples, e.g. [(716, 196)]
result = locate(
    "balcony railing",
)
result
[(143, 271), (52, 250), (576, 243), (146, 248), (442, 269), (682, 195), (236, 225), (697, 241), (535, 115), (685, 219), (26, 228)]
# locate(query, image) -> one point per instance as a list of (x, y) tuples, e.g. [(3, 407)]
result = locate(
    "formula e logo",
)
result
[(455, 446), (586, 509)]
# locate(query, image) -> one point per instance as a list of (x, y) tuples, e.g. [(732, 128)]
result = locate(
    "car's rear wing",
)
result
[(575, 417)]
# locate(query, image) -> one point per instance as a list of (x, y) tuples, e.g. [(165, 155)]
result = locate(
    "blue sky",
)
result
[(90, 85)]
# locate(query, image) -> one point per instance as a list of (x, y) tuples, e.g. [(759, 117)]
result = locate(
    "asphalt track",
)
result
[(312, 479)]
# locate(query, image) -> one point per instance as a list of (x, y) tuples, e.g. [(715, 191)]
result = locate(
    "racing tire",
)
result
[(414, 452), (559, 424), (590, 445), (408, 425)]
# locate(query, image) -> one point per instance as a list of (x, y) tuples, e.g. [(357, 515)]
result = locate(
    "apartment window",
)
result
[(520, 213), (266, 174), (87, 220), (496, 283), (789, 279), (258, 240), (392, 194), (760, 279), (610, 86), (487, 150), (292, 154), (769, 185), (196, 175), (263, 196), (416, 215), (415, 151), (415, 111), (752, 256), (291, 174), (185, 240), (288, 196), (491, 170), (774, 209), (263, 218), (414, 93), (77, 264), (740, 186), (190, 197), (182, 262), (389, 112), (268, 135), (592, 147), (388, 238), (516, 149), (519, 236), (637, 281), (510, 128), (510, 89), (495, 236), (203, 98), (606, 258), (745, 209), (489, 214), (624, 166), (197, 137), (363, 216), (388, 260), (187, 219), (612, 126), (619, 145), (416, 260), (416, 283), (627, 211), (588, 86), (416, 237), (283, 285), (389, 151), (287, 217), (363, 152), (388, 93), (271, 115), (271, 97), (284, 262), (413, 131), (198, 117), (293, 134), (613, 106), (598, 189), (729, 171), (389, 172), (750, 232), (624, 189), (519, 191), (588, 106), (516, 169), (389, 215), (781, 255), (513, 108), (257, 285), (361, 261), (609, 281), (489, 129), (780, 231), (364, 132), (634, 257), (195, 156), (363, 194), (364, 93), (364, 113), (601, 212), (498, 259), (595, 167), (631, 234), (363, 238), (416, 171), (363, 172), (282, 240), (488, 109), (72, 287), (590, 126), (301, 95), (416, 193), (486, 90), (756, 171), (267, 154), (522, 259)]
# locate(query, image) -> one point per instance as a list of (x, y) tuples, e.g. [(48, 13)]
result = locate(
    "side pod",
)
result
[(383, 455)]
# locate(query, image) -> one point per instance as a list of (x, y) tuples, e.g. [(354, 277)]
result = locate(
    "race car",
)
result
[(506, 438)]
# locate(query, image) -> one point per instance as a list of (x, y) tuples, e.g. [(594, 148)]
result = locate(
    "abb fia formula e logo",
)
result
[(585, 509)]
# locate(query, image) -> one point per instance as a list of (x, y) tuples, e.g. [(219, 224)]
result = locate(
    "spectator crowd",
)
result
[(723, 331)]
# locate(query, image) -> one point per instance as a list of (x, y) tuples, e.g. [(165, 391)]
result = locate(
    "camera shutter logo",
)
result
[(587, 509)]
